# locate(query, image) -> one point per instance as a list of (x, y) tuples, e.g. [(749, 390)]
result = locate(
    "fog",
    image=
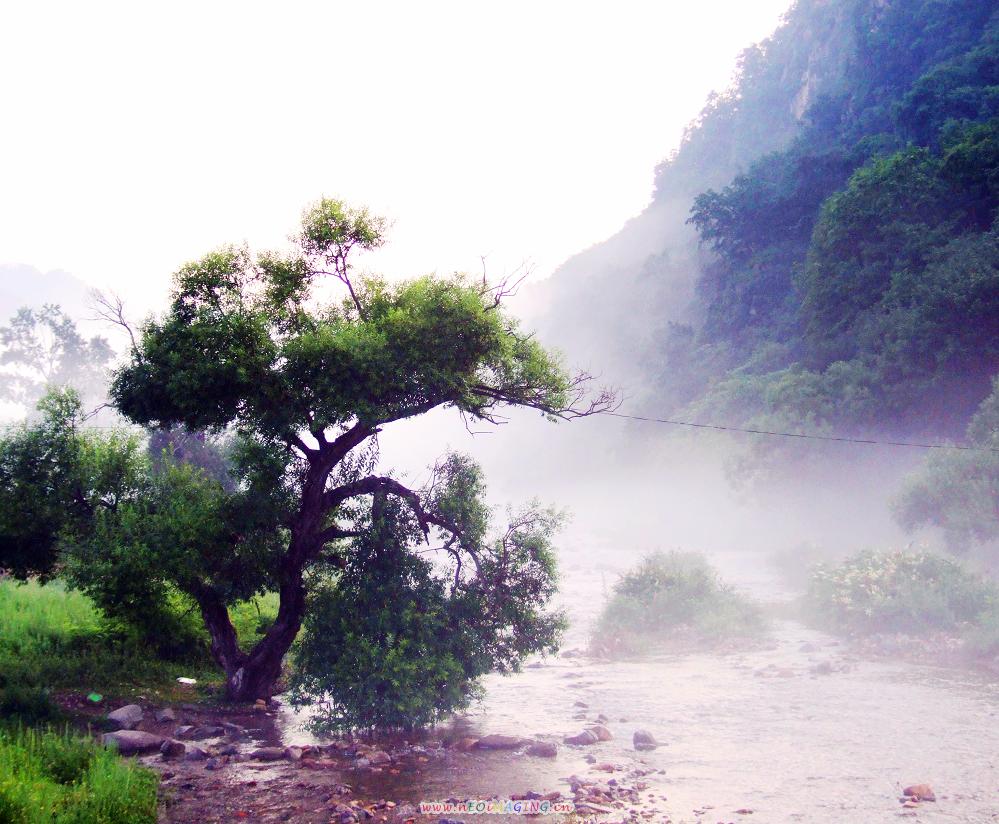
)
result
[(562, 142)]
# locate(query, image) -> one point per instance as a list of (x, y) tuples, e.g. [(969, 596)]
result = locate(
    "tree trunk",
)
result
[(254, 675)]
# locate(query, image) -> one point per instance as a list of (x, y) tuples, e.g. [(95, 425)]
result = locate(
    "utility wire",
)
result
[(803, 435)]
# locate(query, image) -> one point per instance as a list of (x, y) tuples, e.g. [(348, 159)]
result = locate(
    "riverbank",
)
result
[(804, 729)]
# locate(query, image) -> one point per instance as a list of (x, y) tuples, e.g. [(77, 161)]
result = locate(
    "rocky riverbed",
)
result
[(802, 729)]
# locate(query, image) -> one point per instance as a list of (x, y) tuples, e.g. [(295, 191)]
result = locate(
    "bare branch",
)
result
[(507, 287), (578, 406), (111, 309), (342, 273)]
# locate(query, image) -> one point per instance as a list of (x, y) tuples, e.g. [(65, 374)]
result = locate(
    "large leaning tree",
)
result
[(306, 386)]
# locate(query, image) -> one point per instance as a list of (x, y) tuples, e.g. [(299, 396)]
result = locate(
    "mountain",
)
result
[(821, 252)]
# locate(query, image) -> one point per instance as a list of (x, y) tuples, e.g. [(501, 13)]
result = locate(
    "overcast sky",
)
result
[(137, 136)]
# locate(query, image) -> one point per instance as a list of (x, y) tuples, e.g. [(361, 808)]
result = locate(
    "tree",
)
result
[(958, 491), (396, 641), (306, 388), (45, 349)]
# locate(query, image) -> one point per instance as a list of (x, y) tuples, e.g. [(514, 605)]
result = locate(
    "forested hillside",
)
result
[(844, 271)]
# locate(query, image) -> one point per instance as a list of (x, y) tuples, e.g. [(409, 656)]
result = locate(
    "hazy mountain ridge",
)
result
[(738, 327)]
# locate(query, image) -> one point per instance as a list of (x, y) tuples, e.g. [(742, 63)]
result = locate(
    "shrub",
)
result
[(669, 595), (395, 642), (61, 779), (908, 592)]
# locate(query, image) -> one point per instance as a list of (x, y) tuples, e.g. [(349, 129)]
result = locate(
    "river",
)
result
[(795, 730)]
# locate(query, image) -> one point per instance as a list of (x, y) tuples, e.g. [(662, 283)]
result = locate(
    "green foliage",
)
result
[(668, 596), (53, 638), (958, 491), (909, 592), (280, 399), (239, 347), (852, 284), (395, 642), (55, 778)]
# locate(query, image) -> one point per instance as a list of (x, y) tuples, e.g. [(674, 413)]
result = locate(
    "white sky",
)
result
[(136, 136)]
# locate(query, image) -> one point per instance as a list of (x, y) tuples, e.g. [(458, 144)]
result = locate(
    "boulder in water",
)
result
[(584, 738), (543, 749), (919, 792), (601, 732), (644, 740)]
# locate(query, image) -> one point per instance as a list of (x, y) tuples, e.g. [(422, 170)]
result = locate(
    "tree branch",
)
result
[(376, 483), (111, 308)]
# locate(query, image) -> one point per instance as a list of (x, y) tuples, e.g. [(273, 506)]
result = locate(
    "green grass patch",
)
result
[(56, 778), (52, 638), (670, 597)]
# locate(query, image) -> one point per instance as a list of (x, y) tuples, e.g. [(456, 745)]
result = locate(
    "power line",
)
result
[(803, 435)]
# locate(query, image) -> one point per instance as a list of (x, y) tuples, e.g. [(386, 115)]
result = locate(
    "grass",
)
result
[(55, 778), (52, 638), (673, 596)]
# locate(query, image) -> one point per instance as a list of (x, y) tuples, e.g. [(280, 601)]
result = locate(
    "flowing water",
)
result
[(770, 730)]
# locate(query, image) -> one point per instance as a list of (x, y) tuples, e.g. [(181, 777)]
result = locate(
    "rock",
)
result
[(405, 811), (202, 732), (183, 731), (260, 705), (582, 704), (644, 740), (822, 668), (194, 753), (229, 749), (362, 763), (450, 821), (499, 742), (172, 749), (583, 738), (465, 744), (543, 749), (378, 757), (233, 729), (293, 753), (919, 792), (131, 742), (125, 718), (268, 754), (164, 715), (602, 719), (215, 763), (601, 732)]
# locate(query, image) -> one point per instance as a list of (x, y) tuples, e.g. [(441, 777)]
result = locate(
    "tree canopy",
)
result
[(300, 388)]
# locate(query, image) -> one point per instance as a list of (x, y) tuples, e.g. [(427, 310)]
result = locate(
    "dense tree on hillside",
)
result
[(852, 282), (306, 389)]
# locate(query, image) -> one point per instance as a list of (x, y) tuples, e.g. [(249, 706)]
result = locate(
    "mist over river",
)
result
[(766, 729)]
